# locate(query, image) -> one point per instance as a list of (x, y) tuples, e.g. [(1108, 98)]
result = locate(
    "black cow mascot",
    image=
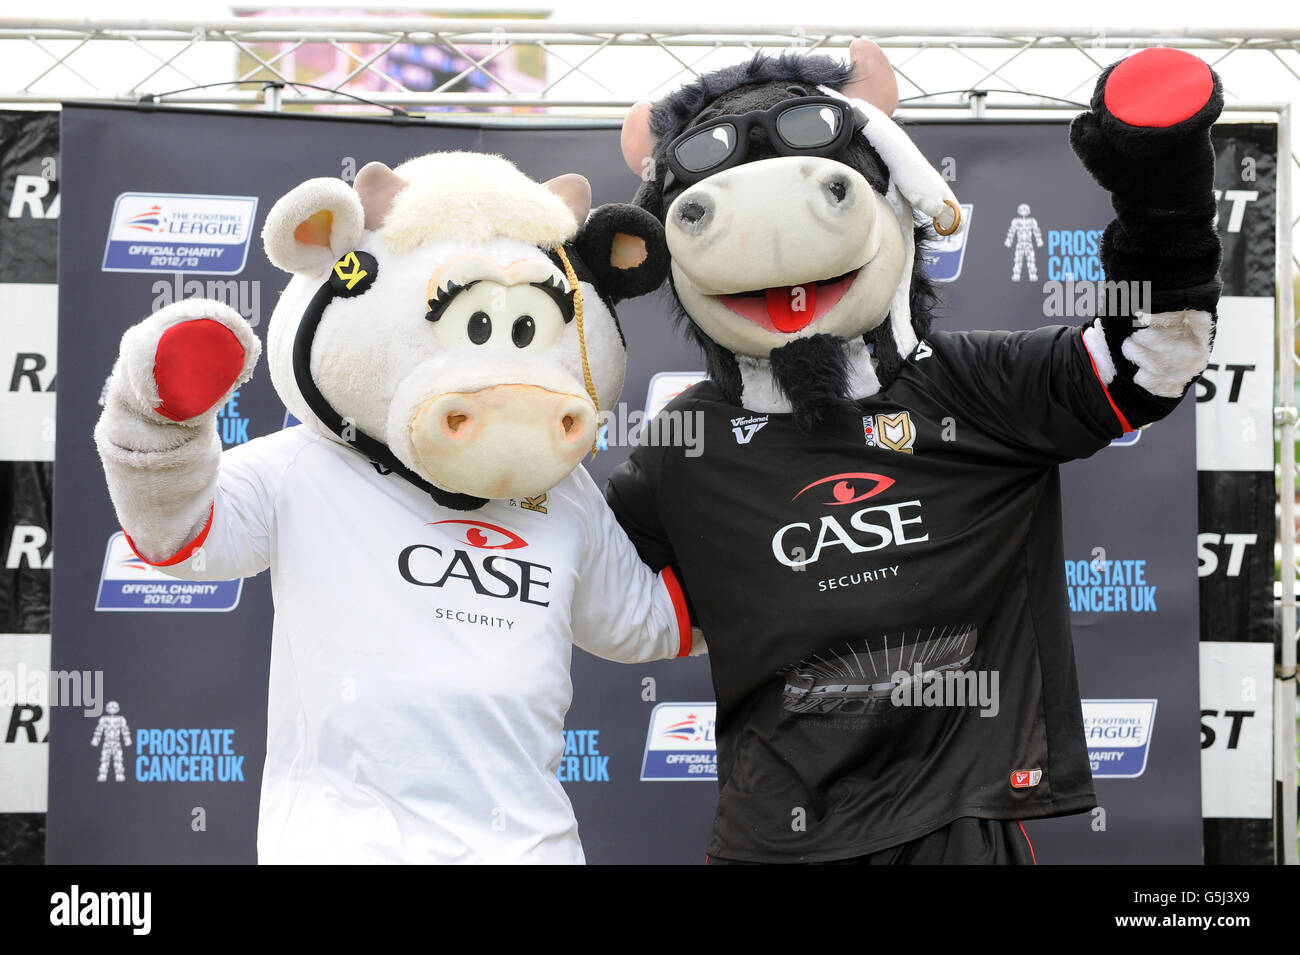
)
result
[(874, 528)]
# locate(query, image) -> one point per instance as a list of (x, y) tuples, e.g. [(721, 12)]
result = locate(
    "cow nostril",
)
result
[(455, 420), (569, 424), (692, 212), (837, 188)]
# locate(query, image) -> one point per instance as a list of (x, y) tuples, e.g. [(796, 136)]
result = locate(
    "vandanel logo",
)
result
[(1026, 778)]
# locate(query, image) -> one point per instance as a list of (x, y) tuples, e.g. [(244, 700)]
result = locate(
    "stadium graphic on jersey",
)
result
[(864, 681)]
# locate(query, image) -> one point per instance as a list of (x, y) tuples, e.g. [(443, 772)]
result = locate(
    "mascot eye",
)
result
[(530, 317), (479, 328), (523, 332)]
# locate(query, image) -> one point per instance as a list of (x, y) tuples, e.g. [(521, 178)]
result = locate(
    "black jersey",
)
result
[(884, 600)]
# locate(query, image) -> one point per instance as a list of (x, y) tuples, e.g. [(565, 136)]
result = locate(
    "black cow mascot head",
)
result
[(787, 196)]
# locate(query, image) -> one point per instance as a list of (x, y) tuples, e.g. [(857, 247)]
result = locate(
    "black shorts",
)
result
[(966, 841)]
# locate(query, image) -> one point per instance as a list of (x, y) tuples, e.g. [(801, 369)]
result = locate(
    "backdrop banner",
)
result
[(29, 219), (1234, 452), (180, 658)]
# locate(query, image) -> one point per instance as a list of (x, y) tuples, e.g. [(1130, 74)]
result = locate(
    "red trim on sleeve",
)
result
[(184, 553), (1123, 422), (683, 615)]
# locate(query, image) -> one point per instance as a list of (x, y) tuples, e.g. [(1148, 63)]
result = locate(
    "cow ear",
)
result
[(625, 249), (313, 226), (637, 139), (575, 191), (873, 76)]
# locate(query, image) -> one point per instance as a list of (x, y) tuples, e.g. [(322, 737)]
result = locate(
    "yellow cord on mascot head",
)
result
[(582, 338)]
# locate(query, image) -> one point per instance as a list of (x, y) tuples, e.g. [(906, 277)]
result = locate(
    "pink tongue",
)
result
[(791, 307)]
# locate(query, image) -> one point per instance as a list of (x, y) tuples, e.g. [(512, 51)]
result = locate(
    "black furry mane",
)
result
[(676, 111)]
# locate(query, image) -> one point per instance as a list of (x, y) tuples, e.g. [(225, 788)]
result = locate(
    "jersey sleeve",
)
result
[(1036, 392), (622, 609), (632, 496), (236, 542)]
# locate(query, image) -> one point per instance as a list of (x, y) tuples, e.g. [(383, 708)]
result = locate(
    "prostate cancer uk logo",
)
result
[(680, 743), (165, 755), (170, 232), (127, 583)]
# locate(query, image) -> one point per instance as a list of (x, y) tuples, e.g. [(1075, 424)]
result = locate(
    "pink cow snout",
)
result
[(504, 441)]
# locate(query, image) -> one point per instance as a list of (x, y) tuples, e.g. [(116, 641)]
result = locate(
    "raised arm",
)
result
[(1146, 140), (157, 435)]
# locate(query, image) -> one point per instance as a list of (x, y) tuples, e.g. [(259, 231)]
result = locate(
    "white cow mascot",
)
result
[(447, 340)]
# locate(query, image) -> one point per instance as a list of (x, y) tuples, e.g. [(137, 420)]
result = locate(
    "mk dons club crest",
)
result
[(892, 431), (537, 503)]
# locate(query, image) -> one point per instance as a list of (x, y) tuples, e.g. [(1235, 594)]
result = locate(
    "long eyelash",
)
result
[(562, 299), (443, 297)]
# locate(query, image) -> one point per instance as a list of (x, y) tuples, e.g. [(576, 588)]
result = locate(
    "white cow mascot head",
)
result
[(464, 340), (448, 340)]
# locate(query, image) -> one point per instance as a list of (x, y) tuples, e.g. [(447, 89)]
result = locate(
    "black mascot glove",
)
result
[(1146, 140)]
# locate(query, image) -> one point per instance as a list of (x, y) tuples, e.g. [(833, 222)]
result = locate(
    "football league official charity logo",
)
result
[(175, 232), (680, 744), (127, 583), (942, 255), (1119, 736)]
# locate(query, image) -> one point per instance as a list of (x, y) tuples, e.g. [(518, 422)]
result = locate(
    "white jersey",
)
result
[(420, 655)]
